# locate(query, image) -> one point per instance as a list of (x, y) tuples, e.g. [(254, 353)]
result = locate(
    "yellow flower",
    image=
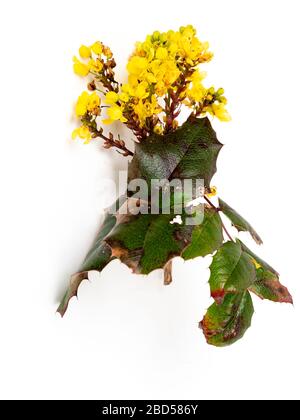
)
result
[(137, 65), (80, 68), (94, 103), (220, 112), (87, 103), (161, 53), (95, 65), (145, 109), (82, 132), (97, 48), (197, 91), (141, 90), (124, 97), (115, 113), (213, 192), (84, 51), (111, 98), (81, 105)]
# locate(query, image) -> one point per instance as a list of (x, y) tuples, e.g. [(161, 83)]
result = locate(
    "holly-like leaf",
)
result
[(97, 258), (145, 242), (238, 221), (267, 284), (227, 322), (256, 258), (269, 287), (190, 152), (231, 270), (206, 237)]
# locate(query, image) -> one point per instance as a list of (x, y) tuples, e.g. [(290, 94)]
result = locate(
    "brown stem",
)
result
[(223, 226), (111, 142), (173, 99)]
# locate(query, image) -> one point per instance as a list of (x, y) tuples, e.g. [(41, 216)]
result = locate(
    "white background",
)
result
[(130, 337)]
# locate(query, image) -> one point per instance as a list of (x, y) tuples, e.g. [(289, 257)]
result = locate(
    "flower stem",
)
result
[(223, 226)]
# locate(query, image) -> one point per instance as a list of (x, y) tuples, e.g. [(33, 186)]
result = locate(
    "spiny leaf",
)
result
[(74, 284), (227, 322), (97, 258), (238, 221), (145, 242), (190, 152), (231, 270)]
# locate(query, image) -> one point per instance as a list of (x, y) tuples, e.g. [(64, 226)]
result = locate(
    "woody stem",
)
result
[(223, 226)]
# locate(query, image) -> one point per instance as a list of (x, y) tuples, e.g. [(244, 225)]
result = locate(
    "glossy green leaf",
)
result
[(145, 242), (231, 270), (260, 261), (227, 322), (238, 221), (190, 152), (206, 237), (267, 284)]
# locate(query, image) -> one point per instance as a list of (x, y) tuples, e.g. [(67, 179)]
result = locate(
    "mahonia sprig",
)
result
[(163, 76)]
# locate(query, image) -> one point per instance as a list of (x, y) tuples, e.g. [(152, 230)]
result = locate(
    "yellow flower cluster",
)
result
[(165, 66), (93, 57), (88, 103), (163, 75)]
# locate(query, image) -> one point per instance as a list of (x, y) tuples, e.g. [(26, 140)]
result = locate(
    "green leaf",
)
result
[(261, 262), (231, 270), (206, 237), (146, 242), (269, 287), (225, 323), (97, 258), (190, 152), (238, 221), (267, 284)]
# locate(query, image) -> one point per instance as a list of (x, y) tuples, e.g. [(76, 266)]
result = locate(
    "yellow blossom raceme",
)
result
[(82, 132), (84, 51), (80, 68)]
